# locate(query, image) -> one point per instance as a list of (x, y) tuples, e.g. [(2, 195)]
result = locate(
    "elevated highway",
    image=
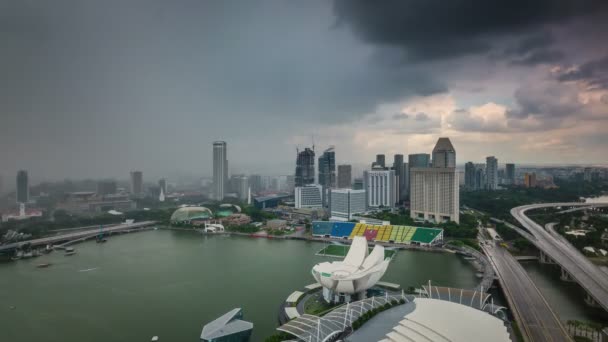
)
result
[(77, 235), (554, 249)]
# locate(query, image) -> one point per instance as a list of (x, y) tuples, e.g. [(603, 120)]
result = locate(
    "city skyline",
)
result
[(525, 86)]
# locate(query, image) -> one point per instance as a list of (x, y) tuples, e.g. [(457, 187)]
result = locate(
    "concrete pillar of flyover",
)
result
[(545, 259), (591, 301), (565, 276)]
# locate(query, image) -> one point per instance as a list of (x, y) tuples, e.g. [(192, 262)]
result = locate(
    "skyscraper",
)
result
[(327, 172), (380, 161), (510, 173), (480, 177), (469, 176), (380, 187), (255, 182), (444, 154), (344, 176), (492, 173), (243, 188), (305, 167), (220, 169), (416, 160), (23, 187), (162, 184), (530, 180), (434, 193), (137, 183), (400, 173)]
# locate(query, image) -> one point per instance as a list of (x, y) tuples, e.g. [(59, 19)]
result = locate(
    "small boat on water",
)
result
[(69, 251), (43, 265)]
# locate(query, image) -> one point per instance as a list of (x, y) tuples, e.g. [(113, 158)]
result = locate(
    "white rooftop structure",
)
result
[(227, 326), (440, 320), (359, 271)]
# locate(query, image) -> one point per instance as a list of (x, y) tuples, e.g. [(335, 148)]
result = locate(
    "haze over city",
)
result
[(96, 89)]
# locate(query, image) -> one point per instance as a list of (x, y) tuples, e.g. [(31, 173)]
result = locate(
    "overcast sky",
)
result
[(92, 89)]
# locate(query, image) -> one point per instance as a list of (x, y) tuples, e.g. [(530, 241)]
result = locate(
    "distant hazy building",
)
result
[(290, 183), (162, 184), (380, 187), (137, 183), (327, 173), (434, 193), (358, 184), (308, 196), (469, 176), (380, 161), (23, 187), (106, 187), (255, 182), (220, 169), (401, 175), (305, 167), (480, 177), (510, 173), (346, 202), (492, 173), (344, 176), (243, 188), (530, 180)]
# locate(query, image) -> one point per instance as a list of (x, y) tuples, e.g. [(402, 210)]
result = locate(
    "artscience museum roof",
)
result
[(357, 272)]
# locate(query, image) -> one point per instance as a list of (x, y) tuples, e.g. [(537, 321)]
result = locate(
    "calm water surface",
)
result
[(170, 284)]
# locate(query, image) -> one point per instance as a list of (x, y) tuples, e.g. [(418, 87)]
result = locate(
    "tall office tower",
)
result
[(400, 174), (305, 167), (469, 176), (243, 187), (492, 173), (419, 160), (23, 187), (327, 173), (345, 203), (530, 180), (344, 176), (480, 177), (137, 183), (220, 169), (358, 184), (380, 187), (162, 185), (380, 161), (510, 173), (434, 193), (255, 182), (308, 196), (444, 154), (106, 187)]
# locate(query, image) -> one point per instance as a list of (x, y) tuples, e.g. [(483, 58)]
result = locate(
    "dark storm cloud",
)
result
[(594, 73), (434, 29)]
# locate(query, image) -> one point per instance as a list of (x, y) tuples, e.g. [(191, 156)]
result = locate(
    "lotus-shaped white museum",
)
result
[(346, 280)]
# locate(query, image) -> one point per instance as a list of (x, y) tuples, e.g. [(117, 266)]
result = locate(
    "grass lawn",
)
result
[(341, 250)]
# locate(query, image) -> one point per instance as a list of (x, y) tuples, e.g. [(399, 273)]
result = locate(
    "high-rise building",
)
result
[(419, 160), (434, 193), (243, 188), (290, 183), (530, 180), (358, 184), (106, 187), (344, 176), (480, 177), (162, 184), (380, 161), (469, 176), (255, 182), (492, 173), (345, 203), (327, 173), (220, 169), (308, 196), (305, 167), (400, 173), (380, 187), (23, 187), (510, 173), (137, 183), (444, 154)]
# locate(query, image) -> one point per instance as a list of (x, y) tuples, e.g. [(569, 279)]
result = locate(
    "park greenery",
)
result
[(371, 313), (499, 203)]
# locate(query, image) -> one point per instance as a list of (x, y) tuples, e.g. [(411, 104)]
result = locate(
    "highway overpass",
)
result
[(77, 235), (574, 265)]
